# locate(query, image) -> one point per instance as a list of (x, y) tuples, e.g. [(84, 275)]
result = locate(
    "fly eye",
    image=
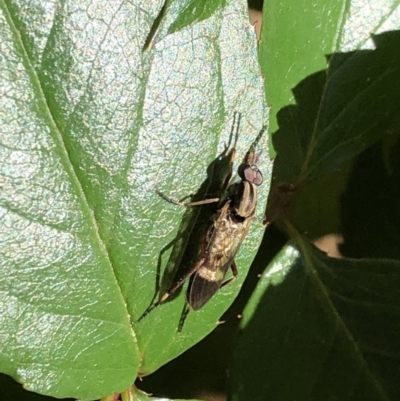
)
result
[(259, 178), (253, 174)]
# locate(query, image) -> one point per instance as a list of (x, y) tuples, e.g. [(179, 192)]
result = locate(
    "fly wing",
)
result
[(201, 291), (225, 239)]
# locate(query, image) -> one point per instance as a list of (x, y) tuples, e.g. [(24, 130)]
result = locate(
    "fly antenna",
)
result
[(236, 118), (259, 136)]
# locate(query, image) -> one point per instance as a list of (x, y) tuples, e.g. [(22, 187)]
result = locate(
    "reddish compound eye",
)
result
[(253, 174)]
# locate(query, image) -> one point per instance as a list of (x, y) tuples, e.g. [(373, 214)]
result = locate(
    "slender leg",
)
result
[(176, 285), (202, 202), (187, 204), (184, 315), (260, 134), (172, 289), (235, 274)]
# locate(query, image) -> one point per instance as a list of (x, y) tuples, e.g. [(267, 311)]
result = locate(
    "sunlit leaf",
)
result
[(92, 123)]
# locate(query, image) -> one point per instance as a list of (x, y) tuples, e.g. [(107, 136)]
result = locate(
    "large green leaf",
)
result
[(92, 123), (345, 84), (324, 329), (344, 100), (318, 328)]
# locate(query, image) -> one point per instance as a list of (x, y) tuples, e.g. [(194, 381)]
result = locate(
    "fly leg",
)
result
[(235, 274), (179, 282), (184, 314), (172, 289), (187, 204)]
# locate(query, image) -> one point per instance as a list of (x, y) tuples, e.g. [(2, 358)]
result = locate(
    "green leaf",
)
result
[(324, 329), (295, 37), (318, 328), (91, 126), (192, 11), (344, 102)]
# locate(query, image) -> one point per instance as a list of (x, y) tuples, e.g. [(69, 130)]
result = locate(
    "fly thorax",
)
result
[(244, 199)]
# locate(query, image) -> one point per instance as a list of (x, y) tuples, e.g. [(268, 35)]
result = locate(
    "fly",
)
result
[(224, 236)]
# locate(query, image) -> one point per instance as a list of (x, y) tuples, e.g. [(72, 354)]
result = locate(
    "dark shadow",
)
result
[(309, 343), (11, 390), (371, 205), (339, 113), (255, 4)]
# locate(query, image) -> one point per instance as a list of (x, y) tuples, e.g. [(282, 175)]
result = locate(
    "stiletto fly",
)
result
[(223, 237)]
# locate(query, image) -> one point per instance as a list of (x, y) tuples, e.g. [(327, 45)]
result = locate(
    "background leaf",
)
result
[(320, 328), (346, 100), (192, 11), (324, 329), (340, 112), (92, 125), (297, 37)]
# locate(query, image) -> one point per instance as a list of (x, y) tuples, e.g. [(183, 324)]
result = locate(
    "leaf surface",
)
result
[(330, 102), (92, 123), (324, 329)]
